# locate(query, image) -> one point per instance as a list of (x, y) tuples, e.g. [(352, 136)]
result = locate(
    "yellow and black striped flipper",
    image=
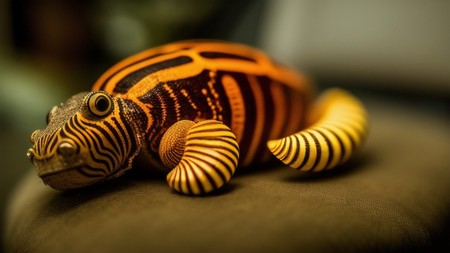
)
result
[(203, 155), (339, 129)]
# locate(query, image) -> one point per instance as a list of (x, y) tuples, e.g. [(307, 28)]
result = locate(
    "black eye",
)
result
[(100, 104)]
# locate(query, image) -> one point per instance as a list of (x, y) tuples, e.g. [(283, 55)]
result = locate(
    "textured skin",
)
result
[(155, 102)]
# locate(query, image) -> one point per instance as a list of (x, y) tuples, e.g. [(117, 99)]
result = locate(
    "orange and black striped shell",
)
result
[(242, 87)]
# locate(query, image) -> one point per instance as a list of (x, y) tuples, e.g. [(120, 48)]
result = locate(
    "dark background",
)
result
[(50, 49)]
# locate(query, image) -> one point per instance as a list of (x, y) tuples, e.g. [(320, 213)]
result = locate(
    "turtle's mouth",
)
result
[(70, 178), (66, 179), (61, 175)]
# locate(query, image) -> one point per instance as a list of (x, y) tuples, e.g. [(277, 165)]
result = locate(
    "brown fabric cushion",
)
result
[(393, 195)]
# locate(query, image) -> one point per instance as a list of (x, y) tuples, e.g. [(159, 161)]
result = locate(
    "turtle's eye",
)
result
[(100, 104)]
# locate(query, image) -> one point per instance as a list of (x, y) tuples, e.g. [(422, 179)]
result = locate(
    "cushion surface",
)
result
[(392, 195)]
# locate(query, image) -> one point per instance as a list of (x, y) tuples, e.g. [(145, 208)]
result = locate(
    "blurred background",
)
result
[(51, 49)]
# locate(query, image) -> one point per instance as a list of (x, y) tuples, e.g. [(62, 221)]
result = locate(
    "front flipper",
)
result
[(339, 129), (203, 155)]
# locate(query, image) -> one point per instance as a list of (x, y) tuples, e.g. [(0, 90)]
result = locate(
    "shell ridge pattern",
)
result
[(209, 82)]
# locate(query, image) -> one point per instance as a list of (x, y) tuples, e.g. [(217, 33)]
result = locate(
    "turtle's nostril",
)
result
[(66, 149)]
